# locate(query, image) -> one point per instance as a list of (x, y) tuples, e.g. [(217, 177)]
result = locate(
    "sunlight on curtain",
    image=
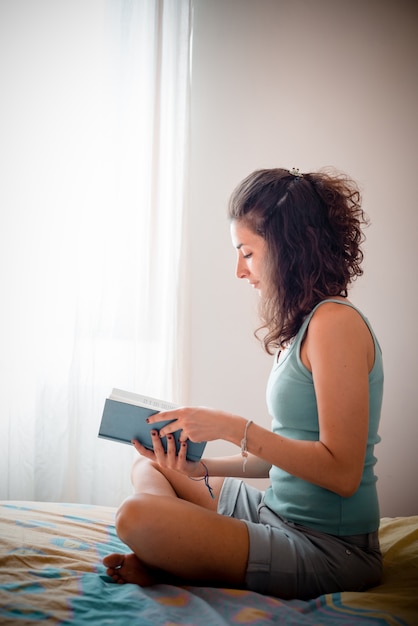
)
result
[(94, 115)]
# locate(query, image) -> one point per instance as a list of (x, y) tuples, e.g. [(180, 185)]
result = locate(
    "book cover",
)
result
[(124, 419)]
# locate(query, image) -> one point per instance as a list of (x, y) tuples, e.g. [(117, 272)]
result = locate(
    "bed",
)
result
[(51, 572)]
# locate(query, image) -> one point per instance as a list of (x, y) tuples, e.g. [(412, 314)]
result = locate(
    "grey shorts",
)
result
[(288, 560)]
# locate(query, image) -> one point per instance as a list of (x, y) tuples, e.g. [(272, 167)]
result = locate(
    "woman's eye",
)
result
[(248, 256)]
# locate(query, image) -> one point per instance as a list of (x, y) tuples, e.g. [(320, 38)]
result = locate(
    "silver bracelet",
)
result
[(244, 451)]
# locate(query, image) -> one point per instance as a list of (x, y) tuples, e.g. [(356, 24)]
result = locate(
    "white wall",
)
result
[(307, 83)]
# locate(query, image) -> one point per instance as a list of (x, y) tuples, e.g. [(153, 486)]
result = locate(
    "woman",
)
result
[(314, 530)]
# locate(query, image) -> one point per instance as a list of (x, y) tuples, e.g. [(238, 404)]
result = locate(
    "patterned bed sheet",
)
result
[(51, 572)]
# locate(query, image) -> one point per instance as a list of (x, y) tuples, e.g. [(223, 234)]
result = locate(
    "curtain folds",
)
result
[(94, 158)]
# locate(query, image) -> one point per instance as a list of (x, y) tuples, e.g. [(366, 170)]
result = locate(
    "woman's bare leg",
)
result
[(196, 544), (148, 477), (175, 540)]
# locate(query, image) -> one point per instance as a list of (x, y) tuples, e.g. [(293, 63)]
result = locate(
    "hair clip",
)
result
[(295, 172)]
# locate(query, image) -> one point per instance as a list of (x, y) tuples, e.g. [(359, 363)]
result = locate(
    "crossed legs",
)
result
[(171, 525)]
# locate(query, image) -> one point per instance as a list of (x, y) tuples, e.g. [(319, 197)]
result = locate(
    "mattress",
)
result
[(51, 571)]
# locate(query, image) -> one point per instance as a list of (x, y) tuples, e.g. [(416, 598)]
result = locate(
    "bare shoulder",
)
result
[(333, 315), (338, 325)]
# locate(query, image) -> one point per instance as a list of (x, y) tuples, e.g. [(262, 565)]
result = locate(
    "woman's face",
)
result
[(251, 251)]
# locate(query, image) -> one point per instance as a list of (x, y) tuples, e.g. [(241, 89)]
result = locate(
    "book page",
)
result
[(138, 400)]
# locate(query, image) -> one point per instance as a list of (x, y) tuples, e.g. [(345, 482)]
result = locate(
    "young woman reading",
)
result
[(314, 530)]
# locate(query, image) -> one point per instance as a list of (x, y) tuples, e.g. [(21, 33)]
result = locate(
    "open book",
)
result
[(124, 419)]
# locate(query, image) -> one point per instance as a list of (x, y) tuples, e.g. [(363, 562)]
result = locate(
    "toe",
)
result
[(113, 561)]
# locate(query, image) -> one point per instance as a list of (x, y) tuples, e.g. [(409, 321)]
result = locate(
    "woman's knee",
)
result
[(139, 465), (134, 515)]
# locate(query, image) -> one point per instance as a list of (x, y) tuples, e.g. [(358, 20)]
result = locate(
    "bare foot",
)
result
[(127, 568)]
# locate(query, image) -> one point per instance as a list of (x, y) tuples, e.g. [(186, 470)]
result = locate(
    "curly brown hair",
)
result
[(312, 224)]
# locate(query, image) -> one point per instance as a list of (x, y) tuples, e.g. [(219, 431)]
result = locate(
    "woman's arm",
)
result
[(255, 467), (339, 351)]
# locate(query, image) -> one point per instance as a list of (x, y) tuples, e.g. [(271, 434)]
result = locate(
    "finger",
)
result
[(163, 416), (183, 436), (165, 456), (182, 455), (171, 447), (157, 444), (149, 454), (168, 429)]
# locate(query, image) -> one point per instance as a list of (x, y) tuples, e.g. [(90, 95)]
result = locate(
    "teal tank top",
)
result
[(292, 405)]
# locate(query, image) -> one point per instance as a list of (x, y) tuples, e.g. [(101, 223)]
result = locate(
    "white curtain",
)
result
[(93, 157)]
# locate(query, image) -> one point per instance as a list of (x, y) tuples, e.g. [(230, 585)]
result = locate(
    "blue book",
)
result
[(124, 419)]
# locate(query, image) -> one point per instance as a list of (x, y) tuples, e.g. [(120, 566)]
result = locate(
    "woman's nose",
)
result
[(241, 270)]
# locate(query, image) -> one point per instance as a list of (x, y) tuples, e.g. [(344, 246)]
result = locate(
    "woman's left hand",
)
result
[(170, 458)]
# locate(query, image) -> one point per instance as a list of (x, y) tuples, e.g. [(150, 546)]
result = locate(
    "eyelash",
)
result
[(248, 256)]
